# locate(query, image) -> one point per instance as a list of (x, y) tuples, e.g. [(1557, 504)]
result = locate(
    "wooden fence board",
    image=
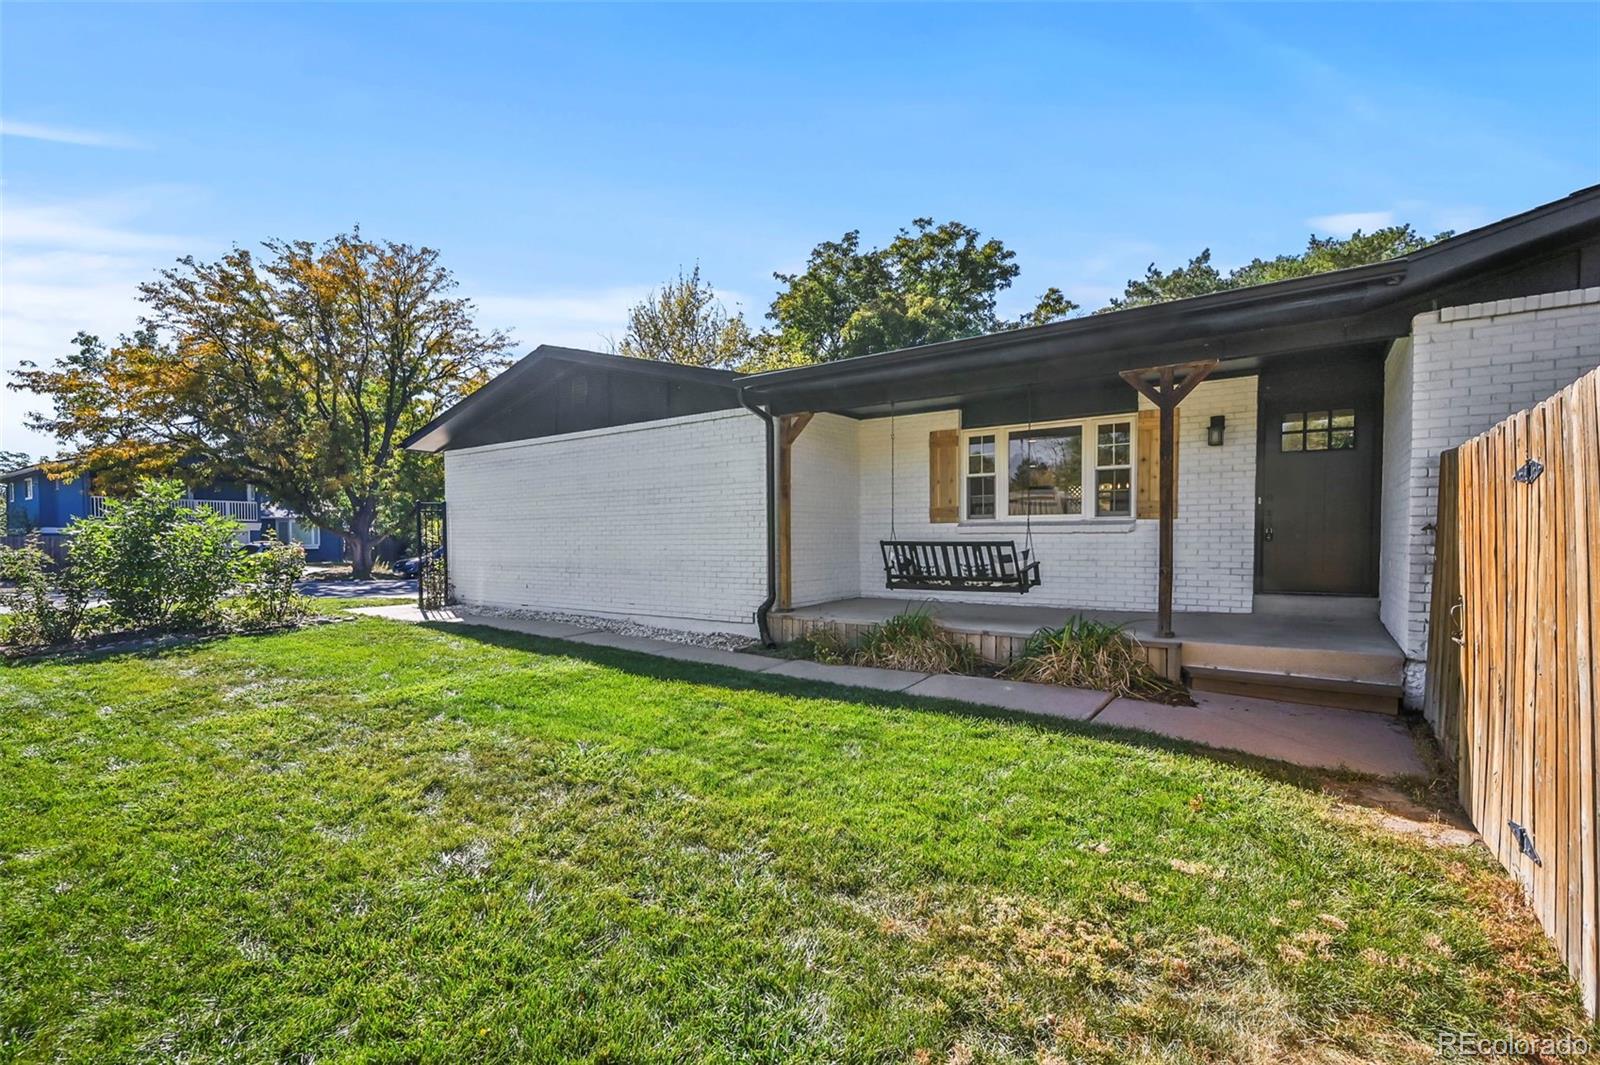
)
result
[(1514, 701)]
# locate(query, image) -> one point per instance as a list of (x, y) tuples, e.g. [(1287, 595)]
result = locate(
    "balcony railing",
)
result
[(237, 509)]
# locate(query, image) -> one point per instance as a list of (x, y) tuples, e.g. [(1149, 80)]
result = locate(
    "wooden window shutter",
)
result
[(1148, 474), (944, 476)]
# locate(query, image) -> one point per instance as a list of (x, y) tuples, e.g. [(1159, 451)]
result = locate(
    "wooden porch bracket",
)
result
[(790, 426), (1166, 387)]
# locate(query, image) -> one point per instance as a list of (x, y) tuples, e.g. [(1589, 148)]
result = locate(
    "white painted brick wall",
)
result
[(826, 511), (1394, 501), (1106, 565), (1214, 540), (665, 521), (662, 521), (1471, 367)]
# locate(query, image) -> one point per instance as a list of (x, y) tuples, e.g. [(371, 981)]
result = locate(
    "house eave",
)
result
[(1339, 308), (439, 433)]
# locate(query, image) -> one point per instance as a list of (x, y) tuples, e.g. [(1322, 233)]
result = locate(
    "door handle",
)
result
[(1458, 635), (1266, 534)]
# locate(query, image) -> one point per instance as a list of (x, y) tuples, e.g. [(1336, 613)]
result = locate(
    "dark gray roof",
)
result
[(1354, 305), (500, 410)]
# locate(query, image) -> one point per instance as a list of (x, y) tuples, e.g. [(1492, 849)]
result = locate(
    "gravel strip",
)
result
[(723, 641)]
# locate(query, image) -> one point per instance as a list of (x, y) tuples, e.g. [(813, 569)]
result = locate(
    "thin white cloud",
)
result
[(87, 138), (575, 318), (1350, 221), (84, 225), (67, 266)]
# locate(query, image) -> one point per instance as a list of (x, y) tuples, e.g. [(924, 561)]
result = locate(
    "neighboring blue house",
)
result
[(321, 545), (35, 503)]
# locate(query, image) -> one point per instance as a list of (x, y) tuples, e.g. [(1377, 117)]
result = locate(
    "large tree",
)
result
[(929, 283), (301, 371), (13, 460), (683, 321), (1198, 277)]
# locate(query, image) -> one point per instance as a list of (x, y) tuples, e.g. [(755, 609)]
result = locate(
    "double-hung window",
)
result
[(980, 476), (1079, 470)]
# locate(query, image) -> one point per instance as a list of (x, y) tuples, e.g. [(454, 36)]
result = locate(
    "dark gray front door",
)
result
[(1317, 478)]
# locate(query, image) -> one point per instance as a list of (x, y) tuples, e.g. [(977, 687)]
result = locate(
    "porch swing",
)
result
[(955, 565)]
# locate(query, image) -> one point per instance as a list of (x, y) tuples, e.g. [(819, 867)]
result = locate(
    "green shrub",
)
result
[(913, 640), (1085, 653), (266, 591), (827, 645), (42, 607), (157, 562)]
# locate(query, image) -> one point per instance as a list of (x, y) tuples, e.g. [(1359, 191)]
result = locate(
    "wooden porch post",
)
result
[(790, 426), (1166, 386)]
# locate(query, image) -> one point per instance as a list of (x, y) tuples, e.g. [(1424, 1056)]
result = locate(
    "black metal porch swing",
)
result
[(955, 565)]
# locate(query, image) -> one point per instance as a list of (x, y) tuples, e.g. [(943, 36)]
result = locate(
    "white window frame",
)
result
[(1091, 429), (307, 535), (27, 487)]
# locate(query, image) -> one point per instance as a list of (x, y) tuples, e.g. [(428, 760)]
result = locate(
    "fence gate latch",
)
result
[(1529, 471), (1524, 842)]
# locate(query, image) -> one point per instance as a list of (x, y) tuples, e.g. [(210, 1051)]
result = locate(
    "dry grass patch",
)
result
[(458, 844)]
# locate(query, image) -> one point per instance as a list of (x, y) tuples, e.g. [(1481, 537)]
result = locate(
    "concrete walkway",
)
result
[(1315, 736), (350, 588)]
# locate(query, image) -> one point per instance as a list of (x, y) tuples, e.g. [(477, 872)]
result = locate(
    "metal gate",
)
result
[(433, 568)]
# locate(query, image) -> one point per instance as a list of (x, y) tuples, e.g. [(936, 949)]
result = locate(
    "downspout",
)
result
[(772, 520)]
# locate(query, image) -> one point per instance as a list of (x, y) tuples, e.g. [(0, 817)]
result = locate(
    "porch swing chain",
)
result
[(894, 533), (1027, 501)]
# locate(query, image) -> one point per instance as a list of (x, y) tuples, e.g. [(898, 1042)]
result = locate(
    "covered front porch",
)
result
[(1224, 506), (1336, 654)]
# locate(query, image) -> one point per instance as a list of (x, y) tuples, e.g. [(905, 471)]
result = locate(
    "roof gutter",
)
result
[(765, 608), (1236, 309)]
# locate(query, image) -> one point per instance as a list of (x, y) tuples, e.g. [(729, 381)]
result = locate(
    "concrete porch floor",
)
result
[(1363, 635), (1300, 652)]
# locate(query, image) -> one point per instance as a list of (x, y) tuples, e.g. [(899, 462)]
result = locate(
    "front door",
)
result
[(1317, 477)]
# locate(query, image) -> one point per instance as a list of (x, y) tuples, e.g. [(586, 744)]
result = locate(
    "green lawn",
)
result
[(372, 841)]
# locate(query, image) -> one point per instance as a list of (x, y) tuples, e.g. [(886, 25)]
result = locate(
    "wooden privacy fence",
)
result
[(1513, 664), (52, 544)]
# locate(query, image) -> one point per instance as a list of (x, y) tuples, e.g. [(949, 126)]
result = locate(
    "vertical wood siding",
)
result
[(1513, 663)]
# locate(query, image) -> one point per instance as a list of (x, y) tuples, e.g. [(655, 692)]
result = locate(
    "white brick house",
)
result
[(1306, 460)]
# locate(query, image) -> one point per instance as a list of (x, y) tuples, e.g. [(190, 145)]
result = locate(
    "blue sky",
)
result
[(567, 158)]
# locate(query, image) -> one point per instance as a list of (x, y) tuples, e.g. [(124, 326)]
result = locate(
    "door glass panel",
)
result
[(1318, 430)]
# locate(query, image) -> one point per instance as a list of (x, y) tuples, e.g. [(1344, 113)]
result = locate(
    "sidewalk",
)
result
[(1314, 736)]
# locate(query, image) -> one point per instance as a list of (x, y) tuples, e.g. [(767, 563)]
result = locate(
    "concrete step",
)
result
[(1326, 606), (1372, 696), (1365, 665)]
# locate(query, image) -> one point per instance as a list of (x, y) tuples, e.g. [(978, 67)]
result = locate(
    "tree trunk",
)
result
[(362, 541)]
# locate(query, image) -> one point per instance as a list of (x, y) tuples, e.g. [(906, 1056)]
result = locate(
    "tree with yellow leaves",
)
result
[(301, 372)]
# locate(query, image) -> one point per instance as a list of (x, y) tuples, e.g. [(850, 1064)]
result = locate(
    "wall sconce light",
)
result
[(1214, 430)]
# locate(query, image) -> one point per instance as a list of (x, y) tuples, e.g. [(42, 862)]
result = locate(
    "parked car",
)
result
[(410, 567)]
